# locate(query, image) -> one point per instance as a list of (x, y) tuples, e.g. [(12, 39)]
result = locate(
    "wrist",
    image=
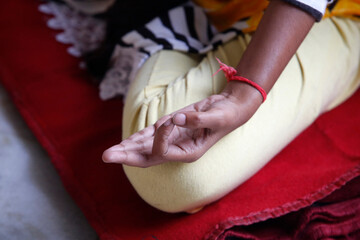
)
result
[(242, 92), (244, 95), (231, 74)]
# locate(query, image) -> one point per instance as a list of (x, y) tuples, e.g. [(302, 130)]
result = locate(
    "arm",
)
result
[(188, 133), (279, 34)]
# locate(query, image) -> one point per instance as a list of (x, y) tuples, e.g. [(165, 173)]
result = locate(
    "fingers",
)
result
[(212, 119), (161, 139), (142, 149), (144, 133), (132, 151), (130, 158), (161, 121), (144, 152), (142, 146)]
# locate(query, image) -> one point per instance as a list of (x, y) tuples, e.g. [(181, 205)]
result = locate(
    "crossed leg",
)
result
[(323, 73)]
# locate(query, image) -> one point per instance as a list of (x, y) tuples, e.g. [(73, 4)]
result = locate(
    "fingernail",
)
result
[(179, 119)]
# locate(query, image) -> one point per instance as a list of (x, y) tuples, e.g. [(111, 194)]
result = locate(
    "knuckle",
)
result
[(122, 147), (196, 120), (140, 143), (157, 125), (215, 98), (161, 121), (131, 138)]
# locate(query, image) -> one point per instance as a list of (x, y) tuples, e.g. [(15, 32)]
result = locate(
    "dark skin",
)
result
[(188, 133)]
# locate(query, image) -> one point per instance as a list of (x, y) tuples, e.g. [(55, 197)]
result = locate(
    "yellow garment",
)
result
[(323, 73), (224, 13)]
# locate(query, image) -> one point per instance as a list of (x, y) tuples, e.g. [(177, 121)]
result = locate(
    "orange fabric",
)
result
[(224, 13), (346, 8)]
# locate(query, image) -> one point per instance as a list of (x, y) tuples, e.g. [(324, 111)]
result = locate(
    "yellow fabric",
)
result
[(322, 74), (224, 13), (345, 8)]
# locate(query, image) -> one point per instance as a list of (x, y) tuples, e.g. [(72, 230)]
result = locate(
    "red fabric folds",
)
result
[(63, 110), (335, 217)]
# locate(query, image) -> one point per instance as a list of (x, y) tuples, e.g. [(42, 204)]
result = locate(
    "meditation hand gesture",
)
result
[(186, 134)]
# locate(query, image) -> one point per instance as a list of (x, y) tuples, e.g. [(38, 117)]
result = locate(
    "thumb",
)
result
[(210, 119)]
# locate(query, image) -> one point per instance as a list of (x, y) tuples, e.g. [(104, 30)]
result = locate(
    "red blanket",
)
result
[(335, 217), (62, 108)]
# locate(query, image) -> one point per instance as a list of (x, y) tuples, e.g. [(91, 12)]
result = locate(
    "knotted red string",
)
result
[(230, 74)]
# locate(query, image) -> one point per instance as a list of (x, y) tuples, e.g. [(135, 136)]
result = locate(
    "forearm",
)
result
[(279, 34)]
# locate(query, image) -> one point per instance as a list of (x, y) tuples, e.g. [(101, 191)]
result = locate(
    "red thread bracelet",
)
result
[(230, 76)]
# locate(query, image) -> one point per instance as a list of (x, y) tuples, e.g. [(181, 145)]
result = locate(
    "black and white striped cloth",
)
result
[(185, 28)]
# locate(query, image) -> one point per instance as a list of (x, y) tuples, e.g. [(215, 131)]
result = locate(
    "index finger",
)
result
[(130, 158)]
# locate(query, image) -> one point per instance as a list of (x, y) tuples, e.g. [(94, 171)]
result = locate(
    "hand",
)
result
[(188, 133), (184, 135)]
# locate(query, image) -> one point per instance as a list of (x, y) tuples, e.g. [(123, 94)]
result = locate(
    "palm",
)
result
[(184, 141)]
